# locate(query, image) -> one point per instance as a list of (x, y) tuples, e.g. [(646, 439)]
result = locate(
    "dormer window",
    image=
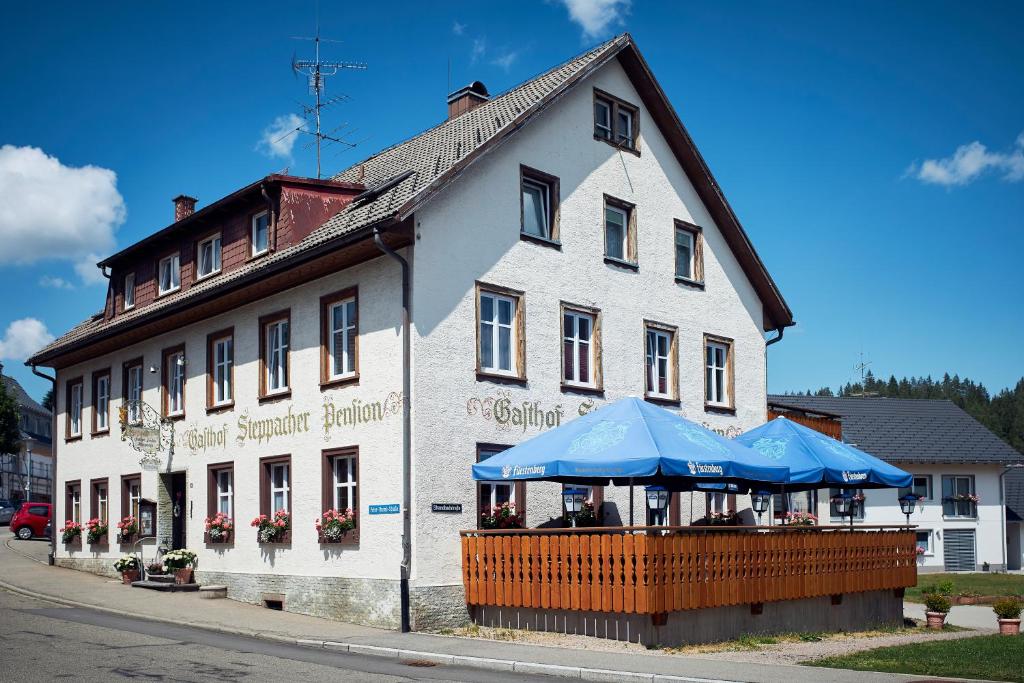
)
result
[(615, 121), (209, 257), (260, 237), (129, 291), (169, 274)]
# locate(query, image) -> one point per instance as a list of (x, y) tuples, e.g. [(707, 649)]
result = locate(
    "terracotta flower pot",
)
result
[(1009, 627), (935, 619), (129, 576), (183, 576)]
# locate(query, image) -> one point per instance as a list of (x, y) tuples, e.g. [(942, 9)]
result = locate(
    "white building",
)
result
[(953, 458), (565, 245), (27, 474)]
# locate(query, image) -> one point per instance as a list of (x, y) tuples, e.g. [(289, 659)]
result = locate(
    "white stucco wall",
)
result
[(470, 232)]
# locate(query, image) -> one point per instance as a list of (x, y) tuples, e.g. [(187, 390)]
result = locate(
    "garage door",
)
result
[(958, 550)]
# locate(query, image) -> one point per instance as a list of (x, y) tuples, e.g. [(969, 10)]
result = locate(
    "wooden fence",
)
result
[(650, 570)]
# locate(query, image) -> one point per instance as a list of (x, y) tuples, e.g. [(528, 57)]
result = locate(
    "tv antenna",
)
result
[(862, 366), (317, 71)]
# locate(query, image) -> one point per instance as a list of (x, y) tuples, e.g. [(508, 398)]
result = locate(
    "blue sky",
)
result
[(870, 149)]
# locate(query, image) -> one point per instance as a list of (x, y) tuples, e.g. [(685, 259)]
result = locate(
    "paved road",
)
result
[(42, 642)]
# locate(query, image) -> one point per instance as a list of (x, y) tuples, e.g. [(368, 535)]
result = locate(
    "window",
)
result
[(339, 337), (857, 504), (100, 506), (661, 362), (74, 501), (718, 375), (274, 342), (208, 260), (619, 231), (924, 542), (689, 252), (131, 389), (220, 371), (800, 501), (538, 204), (260, 233), (129, 291), (595, 497), (73, 426), (921, 487), (169, 274), (500, 338), (173, 373), (717, 503), (275, 484), (491, 494), (101, 402), (581, 358), (958, 499), (131, 494), (615, 121), (221, 489)]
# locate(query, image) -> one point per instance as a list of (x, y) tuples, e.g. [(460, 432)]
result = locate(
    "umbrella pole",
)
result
[(631, 501)]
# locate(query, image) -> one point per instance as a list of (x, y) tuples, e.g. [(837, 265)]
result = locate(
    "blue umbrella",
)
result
[(631, 440), (816, 460)]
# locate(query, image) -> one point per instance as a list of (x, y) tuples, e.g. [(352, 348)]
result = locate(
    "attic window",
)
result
[(129, 291), (615, 121), (169, 274), (208, 257)]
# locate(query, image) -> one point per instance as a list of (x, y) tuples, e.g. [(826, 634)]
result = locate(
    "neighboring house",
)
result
[(567, 246), (33, 462), (953, 458), (1015, 519)]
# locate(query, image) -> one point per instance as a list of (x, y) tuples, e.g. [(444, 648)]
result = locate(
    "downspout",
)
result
[(785, 500), (776, 340), (406, 431), (53, 456)]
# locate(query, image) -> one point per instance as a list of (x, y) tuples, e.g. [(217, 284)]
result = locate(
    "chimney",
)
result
[(184, 206), (466, 98)]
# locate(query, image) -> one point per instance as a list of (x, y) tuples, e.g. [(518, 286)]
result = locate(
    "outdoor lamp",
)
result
[(657, 501), (574, 500), (759, 502), (907, 504), (844, 505)]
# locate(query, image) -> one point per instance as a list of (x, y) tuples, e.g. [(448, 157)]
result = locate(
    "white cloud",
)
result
[(49, 211), (87, 270), (506, 59), (479, 48), (595, 17), (23, 338), (279, 137), (458, 28), (55, 282), (969, 162)]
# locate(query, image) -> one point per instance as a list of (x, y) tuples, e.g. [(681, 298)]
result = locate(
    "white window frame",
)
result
[(713, 371), (134, 393), (253, 234), (223, 391), (629, 140), (691, 265), (971, 507), (348, 462), (492, 328), (175, 384), (76, 409), (929, 493), (283, 490), (577, 343), (929, 542), (134, 497), (625, 232), (347, 331), (173, 267), (653, 359), (128, 302), (226, 491), (76, 503), (102, 406), (277, 356), (545, 203), (214, 243), (102, 502), (607, 128)]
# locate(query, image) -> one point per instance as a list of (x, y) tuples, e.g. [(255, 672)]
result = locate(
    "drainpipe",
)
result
[(53, 457), (406, 431), (776, 340)]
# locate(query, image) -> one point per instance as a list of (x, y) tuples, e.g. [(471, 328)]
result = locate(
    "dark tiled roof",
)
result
[(1015, 495), (909, 430), (21, 396)]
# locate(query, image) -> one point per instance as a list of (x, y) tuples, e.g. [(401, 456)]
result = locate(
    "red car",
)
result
[(31, 519)]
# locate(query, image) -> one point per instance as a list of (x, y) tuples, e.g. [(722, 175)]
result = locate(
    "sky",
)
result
[(873, 151)]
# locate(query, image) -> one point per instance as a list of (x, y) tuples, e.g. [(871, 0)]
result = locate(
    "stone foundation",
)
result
[(856, 612), (93, 565), (433, 608)]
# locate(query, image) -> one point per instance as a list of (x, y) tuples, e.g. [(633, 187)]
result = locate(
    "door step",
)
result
[(166, 586)]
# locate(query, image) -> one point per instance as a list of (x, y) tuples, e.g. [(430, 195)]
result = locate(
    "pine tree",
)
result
[(10, 433)]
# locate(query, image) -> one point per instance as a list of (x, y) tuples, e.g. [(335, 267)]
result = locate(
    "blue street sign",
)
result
[(386, 509)]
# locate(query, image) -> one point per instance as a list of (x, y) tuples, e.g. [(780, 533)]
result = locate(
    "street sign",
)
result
[(446, 507), (386, 509)]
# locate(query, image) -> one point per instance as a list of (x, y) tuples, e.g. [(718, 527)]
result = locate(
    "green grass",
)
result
[(982, 583), (999, 658)]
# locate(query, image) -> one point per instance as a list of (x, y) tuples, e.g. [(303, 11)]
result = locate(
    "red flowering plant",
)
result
[(272, 529), (727, 518), (127, 527), (97, 530), (334, 524), (219, 527), (70, 531), (502, 516), (801, 519)]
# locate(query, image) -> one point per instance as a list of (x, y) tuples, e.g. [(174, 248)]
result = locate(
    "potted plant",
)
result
[(729, 518), (936, 607), (502, 516), (801, 519), (156, 569), (128, 565), (273, 529), (587, 516), (127, 529), (218, 528), (334, 524), (1008, 615), (97, 531), (181, 563), (71, 532), (968, 598)]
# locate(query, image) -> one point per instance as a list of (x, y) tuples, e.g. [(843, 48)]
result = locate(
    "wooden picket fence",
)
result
[(651, 570)]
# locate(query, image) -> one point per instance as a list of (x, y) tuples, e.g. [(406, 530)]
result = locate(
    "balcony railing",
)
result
[(652, 570)]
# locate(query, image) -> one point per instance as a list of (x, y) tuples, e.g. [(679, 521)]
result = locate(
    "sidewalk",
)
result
[(980, 617), (22, 571)]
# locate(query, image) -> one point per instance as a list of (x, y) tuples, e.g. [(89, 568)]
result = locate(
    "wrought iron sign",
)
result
[(146, 431)]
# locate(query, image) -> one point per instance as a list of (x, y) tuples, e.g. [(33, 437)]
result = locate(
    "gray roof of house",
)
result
[(909, 430), (21, 396)]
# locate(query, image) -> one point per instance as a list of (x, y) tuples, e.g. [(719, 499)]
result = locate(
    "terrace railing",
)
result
[(653, 570)]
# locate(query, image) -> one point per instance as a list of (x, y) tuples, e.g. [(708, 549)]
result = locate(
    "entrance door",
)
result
[(179, 510), (958, 550)]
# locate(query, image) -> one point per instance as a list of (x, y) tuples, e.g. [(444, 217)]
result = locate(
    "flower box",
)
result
[(219, 528), (281, 539), (129, 576), (225, 538), (275, 529), (337, 527), (127, 540), (101, 541)]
